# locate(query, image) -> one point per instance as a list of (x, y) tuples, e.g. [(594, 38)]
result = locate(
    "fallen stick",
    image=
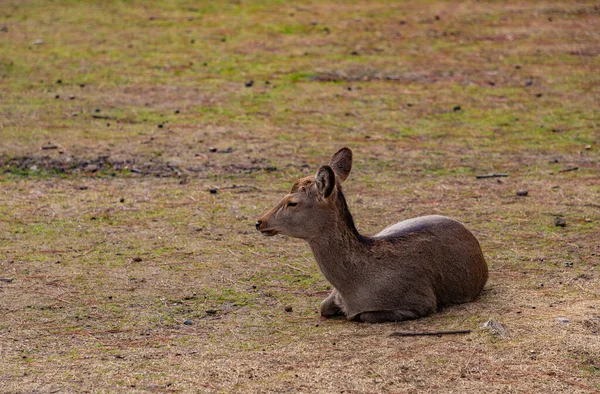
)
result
[(569, 169), (428, 333), (491, 176)]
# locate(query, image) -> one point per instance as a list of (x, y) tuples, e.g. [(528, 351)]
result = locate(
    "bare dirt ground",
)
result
[(140, 142)]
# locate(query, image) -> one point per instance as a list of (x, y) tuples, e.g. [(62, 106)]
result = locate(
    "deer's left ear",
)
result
[(341, 163), (325, 180)]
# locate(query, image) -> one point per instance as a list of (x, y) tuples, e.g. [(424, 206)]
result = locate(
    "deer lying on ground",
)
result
[(407, 271)]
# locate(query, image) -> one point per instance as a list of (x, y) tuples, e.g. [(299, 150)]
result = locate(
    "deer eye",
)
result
[(292, 204)]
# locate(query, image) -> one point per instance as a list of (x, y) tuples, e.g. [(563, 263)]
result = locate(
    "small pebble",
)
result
[(522, 193), (288, 308), (563, 320), (560, 222), (212, 191), (188, 322), (249, 84)]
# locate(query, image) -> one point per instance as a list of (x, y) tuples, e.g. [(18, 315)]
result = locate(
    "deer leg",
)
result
[(383, 316), (332, 305)]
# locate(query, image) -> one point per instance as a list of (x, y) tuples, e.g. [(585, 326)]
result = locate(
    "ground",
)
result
[(140, 141)]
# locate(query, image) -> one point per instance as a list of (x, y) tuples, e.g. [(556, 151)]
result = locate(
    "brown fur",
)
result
[(408, 270)]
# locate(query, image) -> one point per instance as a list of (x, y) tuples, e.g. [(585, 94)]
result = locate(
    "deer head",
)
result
[(314, 203)]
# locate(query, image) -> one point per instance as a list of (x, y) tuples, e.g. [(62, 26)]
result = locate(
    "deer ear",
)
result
[(341, 163), (325, 180)]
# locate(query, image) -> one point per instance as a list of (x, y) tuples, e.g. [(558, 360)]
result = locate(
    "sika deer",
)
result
[(407, 271)]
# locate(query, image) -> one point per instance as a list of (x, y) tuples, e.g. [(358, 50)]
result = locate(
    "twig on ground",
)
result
[(103, 117), (428, 333), (238, 187), (569, 169), (491, 176)]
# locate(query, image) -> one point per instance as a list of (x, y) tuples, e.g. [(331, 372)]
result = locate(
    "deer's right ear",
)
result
[(341, 163), (325, 180)]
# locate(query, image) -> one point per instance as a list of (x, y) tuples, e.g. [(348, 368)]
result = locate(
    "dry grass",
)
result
[(112, 240)]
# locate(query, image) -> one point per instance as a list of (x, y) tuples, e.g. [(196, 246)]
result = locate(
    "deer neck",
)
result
[(339, 249)]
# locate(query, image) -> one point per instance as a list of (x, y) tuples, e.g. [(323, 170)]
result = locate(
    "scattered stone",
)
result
[(563, 320), (522, 193), (288, 308), (498, 329), (211, 311), (249, 84), (122, 200), (48, 147), (538, 95), (593, 324), (38, 42), (212, 191), (7, 280), (188, 322), (456, 108), (354, 53), (560, 222), (532, 355), (212, 150), (588, 147), (137, 259)]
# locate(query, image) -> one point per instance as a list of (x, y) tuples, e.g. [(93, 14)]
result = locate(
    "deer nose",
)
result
[(258, 223)]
